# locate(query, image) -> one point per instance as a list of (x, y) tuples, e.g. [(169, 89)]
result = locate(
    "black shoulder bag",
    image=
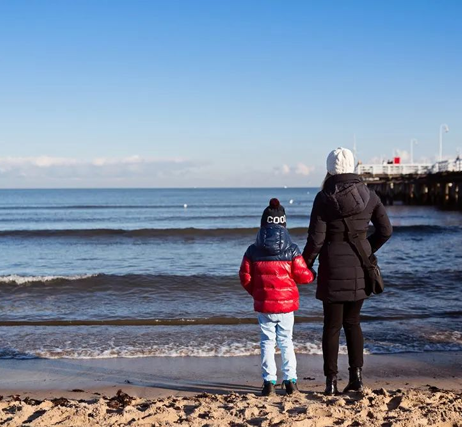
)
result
[(372, 273)]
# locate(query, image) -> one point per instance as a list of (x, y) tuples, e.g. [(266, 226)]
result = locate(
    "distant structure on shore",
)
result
[(438, 184)]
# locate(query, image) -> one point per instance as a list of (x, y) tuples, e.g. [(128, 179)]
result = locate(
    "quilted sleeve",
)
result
[(245, 274)]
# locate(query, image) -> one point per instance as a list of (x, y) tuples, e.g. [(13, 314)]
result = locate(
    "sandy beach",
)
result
[(405, 389)]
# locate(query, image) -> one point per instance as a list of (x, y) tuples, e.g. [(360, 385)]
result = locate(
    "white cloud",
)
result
[(303, 169), (67, 171), (299, 169), (12, 163), (285, 169), (141, 171)]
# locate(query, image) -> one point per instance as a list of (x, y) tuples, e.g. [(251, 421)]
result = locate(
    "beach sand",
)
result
[(402, 390)]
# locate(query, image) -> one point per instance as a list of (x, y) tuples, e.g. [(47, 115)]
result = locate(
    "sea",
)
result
[(104, 273)]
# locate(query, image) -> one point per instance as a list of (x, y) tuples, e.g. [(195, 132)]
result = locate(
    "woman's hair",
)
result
[(328, 175)]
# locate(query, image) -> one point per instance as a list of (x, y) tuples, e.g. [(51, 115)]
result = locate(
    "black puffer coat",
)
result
[(340, 276)]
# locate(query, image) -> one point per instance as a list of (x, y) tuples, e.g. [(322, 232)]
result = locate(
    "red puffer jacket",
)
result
[(271, 269)]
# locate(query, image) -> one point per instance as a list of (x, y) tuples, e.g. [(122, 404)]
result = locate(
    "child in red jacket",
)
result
[(270, 271)]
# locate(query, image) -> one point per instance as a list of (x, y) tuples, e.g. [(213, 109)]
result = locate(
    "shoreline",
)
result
[(153, 377), (407, 389)]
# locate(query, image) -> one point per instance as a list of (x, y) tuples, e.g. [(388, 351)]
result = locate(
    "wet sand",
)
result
[(401, 390)]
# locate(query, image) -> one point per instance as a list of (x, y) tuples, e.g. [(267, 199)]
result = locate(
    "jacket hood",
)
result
[(274, 239), (346, 194)]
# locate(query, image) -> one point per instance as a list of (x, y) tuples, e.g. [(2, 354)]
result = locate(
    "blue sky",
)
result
[(221, 93)]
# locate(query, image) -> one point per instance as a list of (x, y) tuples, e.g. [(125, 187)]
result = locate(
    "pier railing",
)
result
[(394, 169), (448, 166)]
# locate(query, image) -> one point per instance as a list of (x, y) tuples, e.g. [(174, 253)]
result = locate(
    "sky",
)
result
[(229, 93)]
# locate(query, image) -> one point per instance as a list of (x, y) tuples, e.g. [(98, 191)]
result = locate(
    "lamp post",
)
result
[(413, 141), (443, 128)]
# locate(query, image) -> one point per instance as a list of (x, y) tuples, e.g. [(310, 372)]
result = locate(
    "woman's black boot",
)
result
[(331, 385), (356, 381)]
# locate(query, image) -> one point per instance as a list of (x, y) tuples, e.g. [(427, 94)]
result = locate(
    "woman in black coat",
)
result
[(341, 284)]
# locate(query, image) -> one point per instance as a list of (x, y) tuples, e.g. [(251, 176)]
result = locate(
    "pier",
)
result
[(436, 185)]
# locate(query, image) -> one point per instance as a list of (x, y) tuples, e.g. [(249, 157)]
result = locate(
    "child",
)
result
[(270, 269)]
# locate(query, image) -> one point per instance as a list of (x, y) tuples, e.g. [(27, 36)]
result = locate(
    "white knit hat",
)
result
[(340, 160)]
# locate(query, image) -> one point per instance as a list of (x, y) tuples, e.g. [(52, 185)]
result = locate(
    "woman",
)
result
[(341, 284)]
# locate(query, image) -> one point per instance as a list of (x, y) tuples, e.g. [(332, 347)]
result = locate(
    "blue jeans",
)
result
[(277, 329)]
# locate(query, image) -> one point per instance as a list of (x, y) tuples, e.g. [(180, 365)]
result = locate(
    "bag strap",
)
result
[(353, 238)]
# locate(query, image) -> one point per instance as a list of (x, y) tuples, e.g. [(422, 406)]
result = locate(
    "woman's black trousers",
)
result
[(336, 315)]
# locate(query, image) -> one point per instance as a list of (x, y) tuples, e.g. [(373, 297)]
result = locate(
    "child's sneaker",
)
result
[(291, 386), (269, 388)]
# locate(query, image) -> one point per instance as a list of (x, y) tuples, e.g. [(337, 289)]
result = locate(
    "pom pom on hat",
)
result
[(274, 203), (340, 160)]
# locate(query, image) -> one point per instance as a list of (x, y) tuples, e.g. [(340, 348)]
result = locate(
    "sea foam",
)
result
[(20, 280)]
